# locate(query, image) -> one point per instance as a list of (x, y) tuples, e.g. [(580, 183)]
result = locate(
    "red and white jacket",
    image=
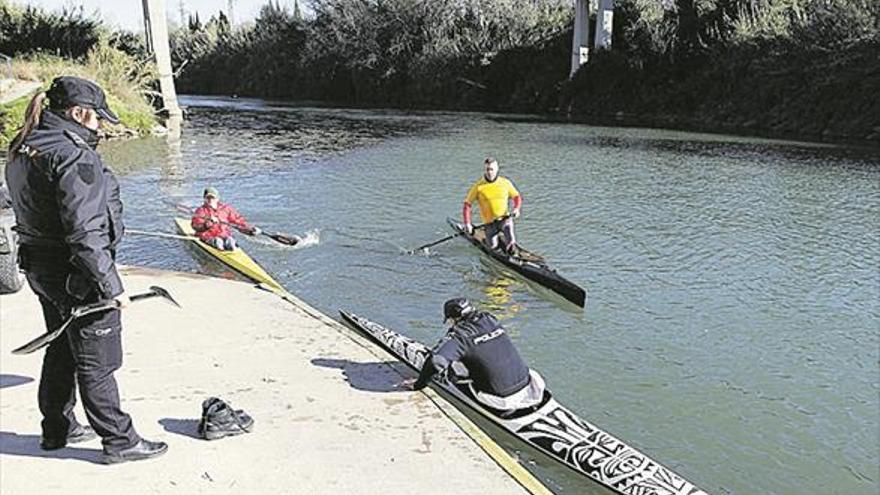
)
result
[(207, 229)]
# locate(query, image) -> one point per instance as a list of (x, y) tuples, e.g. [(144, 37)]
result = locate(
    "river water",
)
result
[(733, 311)]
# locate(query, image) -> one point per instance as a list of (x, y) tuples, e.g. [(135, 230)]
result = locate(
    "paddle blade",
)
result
[(290, 240)]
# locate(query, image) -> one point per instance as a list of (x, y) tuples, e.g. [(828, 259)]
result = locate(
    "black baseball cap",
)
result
[(67, 91)]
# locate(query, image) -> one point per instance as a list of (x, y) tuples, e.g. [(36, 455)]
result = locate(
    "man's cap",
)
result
[(457, 308), (68, 91), (211, 191)]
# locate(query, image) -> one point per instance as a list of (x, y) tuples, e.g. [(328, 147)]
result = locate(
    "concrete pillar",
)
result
[(155, 18), (604, 24), (580, 42)]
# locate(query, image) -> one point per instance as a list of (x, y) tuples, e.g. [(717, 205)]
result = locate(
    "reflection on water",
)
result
[(733, 298), (308, 132), (498, 298)]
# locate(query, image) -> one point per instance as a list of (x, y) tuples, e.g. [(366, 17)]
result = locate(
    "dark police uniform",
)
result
[(483, 346), (69, 221)]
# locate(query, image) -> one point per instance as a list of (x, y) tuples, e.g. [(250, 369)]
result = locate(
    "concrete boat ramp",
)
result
[(328, 417)]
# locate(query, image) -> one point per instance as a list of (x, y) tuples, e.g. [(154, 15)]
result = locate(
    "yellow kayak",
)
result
[(238, 260)]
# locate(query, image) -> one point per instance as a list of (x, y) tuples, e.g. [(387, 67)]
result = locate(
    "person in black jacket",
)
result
[(69, 221), (499, 377)]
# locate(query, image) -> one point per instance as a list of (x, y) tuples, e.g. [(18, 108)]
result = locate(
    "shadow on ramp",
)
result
[(369, 377), (185, 427), (29, 445)]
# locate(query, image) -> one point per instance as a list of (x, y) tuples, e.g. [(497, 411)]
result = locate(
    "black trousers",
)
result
[(87, 355)]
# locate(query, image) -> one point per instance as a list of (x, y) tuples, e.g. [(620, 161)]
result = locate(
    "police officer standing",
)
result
[(69, 220)]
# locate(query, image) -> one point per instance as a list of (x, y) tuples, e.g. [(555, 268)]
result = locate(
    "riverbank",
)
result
[(124, 80), (328, 418), (806, 72), (767, 88)]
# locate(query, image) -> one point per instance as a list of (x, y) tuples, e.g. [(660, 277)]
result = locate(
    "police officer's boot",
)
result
[(144, 449), (82, 433)]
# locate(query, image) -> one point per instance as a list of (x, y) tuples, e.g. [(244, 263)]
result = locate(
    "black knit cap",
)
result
[(67, 91)]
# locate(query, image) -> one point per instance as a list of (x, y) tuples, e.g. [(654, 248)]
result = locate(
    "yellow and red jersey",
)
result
[(492, 197)]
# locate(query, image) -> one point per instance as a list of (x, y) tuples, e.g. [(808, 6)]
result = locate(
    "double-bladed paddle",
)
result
[(80, 311), (287, 239), (453, 236)]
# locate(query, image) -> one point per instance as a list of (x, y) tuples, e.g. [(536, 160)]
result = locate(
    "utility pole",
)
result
[(182, 8), (231, 8), (148, 30), (580, 50), (157, 33)]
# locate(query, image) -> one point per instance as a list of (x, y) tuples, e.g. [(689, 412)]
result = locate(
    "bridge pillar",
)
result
[(157, 36), (580, 50), (604, 24)]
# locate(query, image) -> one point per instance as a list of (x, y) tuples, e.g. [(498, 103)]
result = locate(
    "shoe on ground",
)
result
[(220, 420), (144, 449), (81, 433)]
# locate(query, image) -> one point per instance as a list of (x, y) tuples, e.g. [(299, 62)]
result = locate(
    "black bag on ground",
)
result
[(220, 420)]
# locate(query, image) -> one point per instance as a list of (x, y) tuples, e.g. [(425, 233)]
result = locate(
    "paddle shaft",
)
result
[(275, 236), (438, 241), (453, 236), (160, 234)]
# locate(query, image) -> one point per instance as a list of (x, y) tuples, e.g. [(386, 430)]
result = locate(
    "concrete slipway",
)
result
[(329, 418)]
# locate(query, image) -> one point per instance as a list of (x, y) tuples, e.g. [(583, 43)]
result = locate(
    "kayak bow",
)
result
[(550, 428)]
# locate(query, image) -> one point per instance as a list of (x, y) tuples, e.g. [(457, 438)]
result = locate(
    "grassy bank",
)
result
[(125, 80)]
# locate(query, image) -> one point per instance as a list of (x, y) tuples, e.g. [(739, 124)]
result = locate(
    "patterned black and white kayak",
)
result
[(550, 428)]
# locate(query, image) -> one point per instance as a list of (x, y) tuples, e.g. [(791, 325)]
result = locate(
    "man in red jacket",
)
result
[(211, 222)]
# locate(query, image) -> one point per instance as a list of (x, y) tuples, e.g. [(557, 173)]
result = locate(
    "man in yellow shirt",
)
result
[(493, 192)]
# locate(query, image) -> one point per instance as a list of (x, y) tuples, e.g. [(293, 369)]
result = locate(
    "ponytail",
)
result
[(31, 119)]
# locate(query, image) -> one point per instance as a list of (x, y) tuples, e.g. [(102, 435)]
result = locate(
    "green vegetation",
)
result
[(47, 45), (26, 30), (803, 68), (391, 52), (11, 118)]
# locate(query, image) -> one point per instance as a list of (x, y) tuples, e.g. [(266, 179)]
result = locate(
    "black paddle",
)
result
[(453, 236), (80, 311), (287, 239)]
